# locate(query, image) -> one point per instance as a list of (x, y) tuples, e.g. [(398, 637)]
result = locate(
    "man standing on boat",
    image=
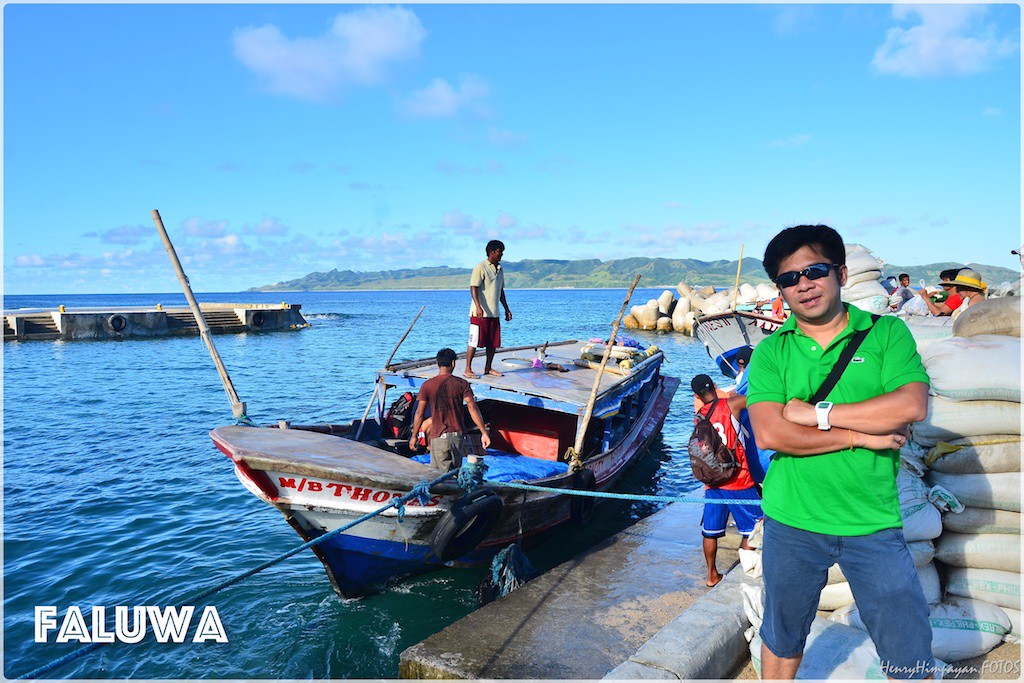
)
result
[(445, 394), (723, 414), (830, 494), (487, 287)]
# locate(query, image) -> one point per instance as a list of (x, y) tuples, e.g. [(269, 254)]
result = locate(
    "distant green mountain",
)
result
[(556, 273)]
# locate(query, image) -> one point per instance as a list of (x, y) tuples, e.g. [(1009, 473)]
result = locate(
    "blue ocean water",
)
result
[(115, 495)]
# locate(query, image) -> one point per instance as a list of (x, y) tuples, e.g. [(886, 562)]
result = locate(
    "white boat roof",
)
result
[(566, 392)]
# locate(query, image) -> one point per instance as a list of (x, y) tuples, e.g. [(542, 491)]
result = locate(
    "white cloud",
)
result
[(673, 234), (30, 261), (948, 40), (357, 49), (506, 221), (441, 100), (793, 141), (528, 232), (127, 234), (992, 111), (269, 226), (194, 227), (463, 224), (402, 249), (228, 245)]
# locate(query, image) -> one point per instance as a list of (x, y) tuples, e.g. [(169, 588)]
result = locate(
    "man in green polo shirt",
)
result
[(830, 494)]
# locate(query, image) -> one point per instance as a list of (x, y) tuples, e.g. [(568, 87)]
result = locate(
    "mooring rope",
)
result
[(418, 492), (471, 478), (243, 420), (624, 496)]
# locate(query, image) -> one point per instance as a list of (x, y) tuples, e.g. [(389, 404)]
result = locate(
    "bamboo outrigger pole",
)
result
[(387, 365), (237, 407), (589, 412), (739, 266)]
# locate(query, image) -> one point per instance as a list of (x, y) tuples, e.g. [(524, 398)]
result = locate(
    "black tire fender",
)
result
[(581, 507), (258, 319), (466, 524), (117, 322)]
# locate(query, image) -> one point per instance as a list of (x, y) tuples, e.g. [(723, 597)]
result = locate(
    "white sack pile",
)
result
[(863, 281)]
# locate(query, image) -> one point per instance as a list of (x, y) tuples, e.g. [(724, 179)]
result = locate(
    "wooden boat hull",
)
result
[(317, 491), (724, 334)]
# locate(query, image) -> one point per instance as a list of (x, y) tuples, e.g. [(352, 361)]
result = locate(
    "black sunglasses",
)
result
[(813, 272)]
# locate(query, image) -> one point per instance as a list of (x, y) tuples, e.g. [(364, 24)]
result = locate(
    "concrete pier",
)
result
[(591, 614), (139, 322)]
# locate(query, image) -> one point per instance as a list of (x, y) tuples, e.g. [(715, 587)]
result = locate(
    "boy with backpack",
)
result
[(719, 460)]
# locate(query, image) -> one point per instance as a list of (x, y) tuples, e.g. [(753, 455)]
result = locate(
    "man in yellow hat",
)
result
[(971, 289), (952, 300)]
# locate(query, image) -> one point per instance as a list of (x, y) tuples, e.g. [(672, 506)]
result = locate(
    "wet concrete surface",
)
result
[(586, 616)]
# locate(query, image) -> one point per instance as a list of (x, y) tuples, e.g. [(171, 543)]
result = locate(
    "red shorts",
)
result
[(484, 333)]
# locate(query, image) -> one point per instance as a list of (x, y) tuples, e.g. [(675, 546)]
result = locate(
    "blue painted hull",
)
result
[(357, 565)]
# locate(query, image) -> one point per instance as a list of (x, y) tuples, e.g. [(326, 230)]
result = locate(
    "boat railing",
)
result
[(409, 364)]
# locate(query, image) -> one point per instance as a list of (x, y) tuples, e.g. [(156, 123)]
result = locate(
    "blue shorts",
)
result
[(882, 577), (716, 515)]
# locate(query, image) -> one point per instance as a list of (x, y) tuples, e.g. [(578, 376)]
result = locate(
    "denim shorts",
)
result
[(882, 577)]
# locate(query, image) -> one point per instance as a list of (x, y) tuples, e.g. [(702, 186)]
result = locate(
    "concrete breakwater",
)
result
[(73, 324), (602, 612)]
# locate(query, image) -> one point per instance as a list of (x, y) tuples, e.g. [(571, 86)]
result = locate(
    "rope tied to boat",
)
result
[(510, 569), (243, 420), (623, 496), (573, 458), (417, 492), (471, 474), (420, 493)]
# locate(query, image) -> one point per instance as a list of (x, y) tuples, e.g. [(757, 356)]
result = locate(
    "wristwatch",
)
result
[(822, 409)]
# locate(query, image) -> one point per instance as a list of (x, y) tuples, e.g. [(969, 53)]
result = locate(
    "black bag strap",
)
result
[(844, 359)]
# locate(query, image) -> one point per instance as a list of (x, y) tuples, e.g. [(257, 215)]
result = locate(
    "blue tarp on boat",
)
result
[(502, 466)]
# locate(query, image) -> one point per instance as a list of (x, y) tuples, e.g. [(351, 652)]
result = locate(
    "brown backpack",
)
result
[(711, 460)]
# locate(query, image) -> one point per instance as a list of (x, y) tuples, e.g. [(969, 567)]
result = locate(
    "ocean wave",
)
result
[(328, 316)]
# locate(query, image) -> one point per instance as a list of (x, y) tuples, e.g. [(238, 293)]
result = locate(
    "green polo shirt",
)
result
[(844, 493)]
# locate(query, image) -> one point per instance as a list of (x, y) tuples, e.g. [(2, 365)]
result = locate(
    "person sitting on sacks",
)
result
[(969, 288), (724, 417), (952, 301), (902, 294)]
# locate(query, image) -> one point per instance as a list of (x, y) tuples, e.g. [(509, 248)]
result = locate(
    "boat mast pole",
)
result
[(387, 365), (237, 406), (395, 350), (589, 412), (739, 265)]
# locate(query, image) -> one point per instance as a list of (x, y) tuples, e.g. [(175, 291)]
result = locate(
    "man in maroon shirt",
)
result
[(445, 394)]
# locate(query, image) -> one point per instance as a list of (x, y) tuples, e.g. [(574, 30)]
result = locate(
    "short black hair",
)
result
[(702, 385), (445, 358), (820, 237), (494, 245), (949, 273), (903, 275), (743, 355)]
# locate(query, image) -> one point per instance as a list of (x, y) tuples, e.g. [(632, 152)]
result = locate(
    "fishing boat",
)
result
[(324, 477), (723, 334)]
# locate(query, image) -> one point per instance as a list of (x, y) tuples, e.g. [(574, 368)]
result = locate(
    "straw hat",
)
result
[(968, 278)]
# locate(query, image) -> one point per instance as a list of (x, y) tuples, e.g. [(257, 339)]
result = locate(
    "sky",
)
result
[(278, 140)]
